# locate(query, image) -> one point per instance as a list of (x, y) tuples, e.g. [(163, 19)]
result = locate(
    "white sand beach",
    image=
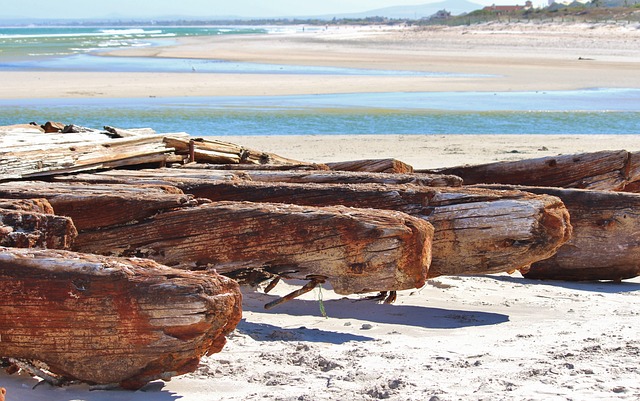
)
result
[(496, 337)]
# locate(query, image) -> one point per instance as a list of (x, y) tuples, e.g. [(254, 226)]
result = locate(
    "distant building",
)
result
[(508, 9), (440, 15)]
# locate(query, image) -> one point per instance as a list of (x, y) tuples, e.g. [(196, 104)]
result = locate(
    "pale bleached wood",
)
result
[(605, 170), (356, 250), (606, 236), (24, 155), (215, 151), (109, 320)]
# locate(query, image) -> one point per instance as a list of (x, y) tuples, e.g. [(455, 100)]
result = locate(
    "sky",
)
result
[(69, 9)]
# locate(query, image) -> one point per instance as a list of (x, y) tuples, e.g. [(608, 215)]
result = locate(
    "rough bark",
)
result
[(606, 170), (107, 320), (99, 205), (373, 166), (477, 231), (178, 176), (26, 229), (356, 250), (606, 237), (38, 205)]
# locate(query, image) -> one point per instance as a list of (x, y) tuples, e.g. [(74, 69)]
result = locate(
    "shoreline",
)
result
[(519, 57)]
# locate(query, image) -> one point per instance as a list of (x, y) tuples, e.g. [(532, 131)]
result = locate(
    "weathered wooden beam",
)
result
[(477, 231), (606, 236), (27, 229), (605, 170), (108, 320), (177, 176), (24, 155), (93, 206), (358, 251), (373, 166)]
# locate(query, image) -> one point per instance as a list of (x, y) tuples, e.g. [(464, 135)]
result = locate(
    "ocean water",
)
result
[(597, 111), (589, 111)]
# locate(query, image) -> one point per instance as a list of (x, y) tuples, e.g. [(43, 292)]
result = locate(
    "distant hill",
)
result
[(455, 7)]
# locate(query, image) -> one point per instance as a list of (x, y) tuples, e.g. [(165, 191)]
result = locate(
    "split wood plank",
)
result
[(358, 251), (605, 170), (606, 236), (109, 320), (215, 151), (37, 155)]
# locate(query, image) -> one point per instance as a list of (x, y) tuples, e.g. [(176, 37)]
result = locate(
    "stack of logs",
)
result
[(122, 276)]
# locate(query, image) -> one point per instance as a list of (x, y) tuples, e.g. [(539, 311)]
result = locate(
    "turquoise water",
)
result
[(40, 43), (595, 111)]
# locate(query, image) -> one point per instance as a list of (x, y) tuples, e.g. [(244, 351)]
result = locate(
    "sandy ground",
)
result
[(518, 57), (495, 337)]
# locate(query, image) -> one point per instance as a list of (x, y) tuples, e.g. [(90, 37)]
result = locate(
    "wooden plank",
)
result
[(215, 151), (358, 251), (180, 176), (373, 166), (42, 155), (100, 205), (606, 237), (108, 320), (605, 170), (28, 229)]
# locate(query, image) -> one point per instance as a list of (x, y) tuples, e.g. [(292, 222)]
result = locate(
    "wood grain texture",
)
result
[(606, 237), (373, 166), (176, 176), (358, 251), (605, 170), (477, 231), (109, 320), (91, 206)]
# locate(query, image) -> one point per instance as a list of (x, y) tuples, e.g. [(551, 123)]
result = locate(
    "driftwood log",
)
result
[(94, 206), (27, 229), (190, 174), (357, 251), (108, 320), (605, 170), (477, 231), (372, 166), (606, 237)]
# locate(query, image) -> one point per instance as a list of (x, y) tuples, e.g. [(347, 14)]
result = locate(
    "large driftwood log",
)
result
[(26, 229), (606, 236), (477, 231), (107, 320), (606, 170), (358, 251), (100, 205), (185, 177), (372, 166)]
